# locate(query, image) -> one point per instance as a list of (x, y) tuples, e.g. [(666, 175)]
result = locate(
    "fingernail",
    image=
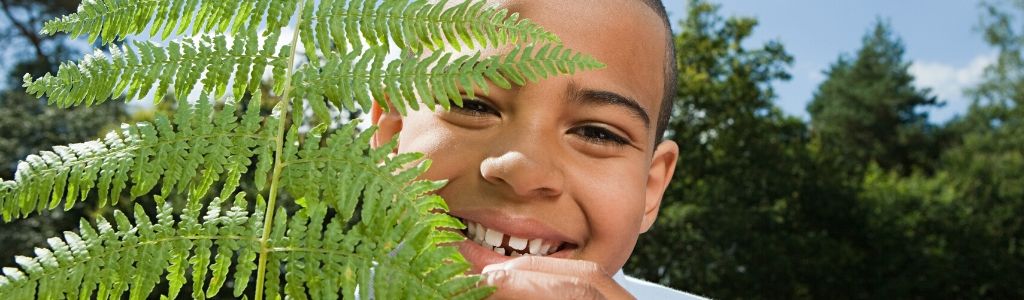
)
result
[(492, 268)]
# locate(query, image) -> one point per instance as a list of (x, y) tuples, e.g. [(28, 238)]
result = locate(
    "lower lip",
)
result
[(481, 257)]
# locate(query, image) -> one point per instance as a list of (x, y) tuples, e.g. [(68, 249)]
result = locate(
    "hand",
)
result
[(537, 277)]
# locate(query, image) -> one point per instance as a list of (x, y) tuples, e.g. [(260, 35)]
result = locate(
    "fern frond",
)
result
[(395, 212), (181, 65), (115, 20), (415, 26), (342, 25), (372, 256), (390, 251), (130, 257), (353, 36), (433, 79), (326, 168), (197, 148)]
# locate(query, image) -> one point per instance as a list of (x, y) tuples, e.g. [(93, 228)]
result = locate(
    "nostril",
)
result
[(523, 175), (547, 192)]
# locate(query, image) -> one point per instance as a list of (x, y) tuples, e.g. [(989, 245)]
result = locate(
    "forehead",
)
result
[(626, 35)]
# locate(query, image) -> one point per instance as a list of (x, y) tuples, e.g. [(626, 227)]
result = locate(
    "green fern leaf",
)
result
[(115, 20), (371, 254), (197, 143), (344, 25), (126, 256), (340, 30), (417, 26), (133, 71), (433, 79)]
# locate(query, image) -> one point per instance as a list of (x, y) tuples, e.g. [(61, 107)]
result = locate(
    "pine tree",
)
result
[(868, 110)]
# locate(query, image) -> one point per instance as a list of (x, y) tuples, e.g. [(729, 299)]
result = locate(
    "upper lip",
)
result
[(513, 225)]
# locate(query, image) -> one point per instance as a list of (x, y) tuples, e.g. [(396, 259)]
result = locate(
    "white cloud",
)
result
[(948, 82)]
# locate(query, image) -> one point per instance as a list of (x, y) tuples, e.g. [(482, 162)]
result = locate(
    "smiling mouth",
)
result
[(508, 245)]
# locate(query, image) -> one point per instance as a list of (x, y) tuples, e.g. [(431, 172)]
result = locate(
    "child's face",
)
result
[(569, 160)]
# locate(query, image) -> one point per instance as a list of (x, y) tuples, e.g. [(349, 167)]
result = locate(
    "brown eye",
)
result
[(476, 108), (598, 135)]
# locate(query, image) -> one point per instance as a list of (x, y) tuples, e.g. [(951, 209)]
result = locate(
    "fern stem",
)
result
[(275, 179)]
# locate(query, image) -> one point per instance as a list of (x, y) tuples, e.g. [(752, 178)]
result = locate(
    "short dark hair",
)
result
[(671, 73)]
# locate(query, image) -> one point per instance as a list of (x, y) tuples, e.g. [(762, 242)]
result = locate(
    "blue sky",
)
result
[(947, 53)]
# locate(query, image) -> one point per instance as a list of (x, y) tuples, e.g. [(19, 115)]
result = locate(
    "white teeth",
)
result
[(480, 230), (517, 243), (475, 232), (478, 235), (493, 237), (544, 247), (535, 246), (490, 238)]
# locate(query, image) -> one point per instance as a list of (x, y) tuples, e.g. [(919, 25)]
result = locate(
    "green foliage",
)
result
[(412, 25), (180, 65), (983, 241), (910, 224), (141, 154), (868, 109), (110, 260), (432, 80), (736, 211), (869, 201), (364, 224)]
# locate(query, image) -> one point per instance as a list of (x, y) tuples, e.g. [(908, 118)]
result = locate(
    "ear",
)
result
[(389, 124), (663, 166)]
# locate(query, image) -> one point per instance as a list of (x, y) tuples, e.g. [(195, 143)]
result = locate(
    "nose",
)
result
[(526, 175)]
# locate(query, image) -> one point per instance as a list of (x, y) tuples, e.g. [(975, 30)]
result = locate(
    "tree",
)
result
[(986, 161), (364, 224), (868, 109), (743, 217), (870, 202), (947, 226)]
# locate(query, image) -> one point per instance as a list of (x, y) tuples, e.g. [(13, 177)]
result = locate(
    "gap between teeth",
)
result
[(507, 245)]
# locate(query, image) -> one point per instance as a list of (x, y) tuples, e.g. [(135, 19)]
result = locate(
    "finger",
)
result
[(521, 284), (561, 266), (587, 271)]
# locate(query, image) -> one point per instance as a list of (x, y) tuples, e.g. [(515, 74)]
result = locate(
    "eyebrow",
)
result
[(600, 97)]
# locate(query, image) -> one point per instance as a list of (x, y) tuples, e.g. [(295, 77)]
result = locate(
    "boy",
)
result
[(556, 179)]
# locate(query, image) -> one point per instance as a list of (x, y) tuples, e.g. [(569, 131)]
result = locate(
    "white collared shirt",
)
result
[(644, 290)]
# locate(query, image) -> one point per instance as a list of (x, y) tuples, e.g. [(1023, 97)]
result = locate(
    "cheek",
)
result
[(612, 192), (424, 134), (613, 201)]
